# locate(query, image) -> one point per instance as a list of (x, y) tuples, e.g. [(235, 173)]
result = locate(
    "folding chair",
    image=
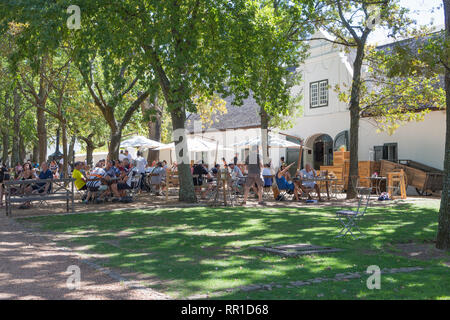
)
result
[(285, 193), (305, 191), (349, 218), (135, 185), (267, 190)]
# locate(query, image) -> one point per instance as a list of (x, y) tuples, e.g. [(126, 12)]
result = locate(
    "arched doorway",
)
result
[(320, 151)]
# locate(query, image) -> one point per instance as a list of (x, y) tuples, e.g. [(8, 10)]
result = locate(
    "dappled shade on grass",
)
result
[(195, 251)]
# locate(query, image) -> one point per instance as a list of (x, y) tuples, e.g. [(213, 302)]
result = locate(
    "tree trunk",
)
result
[(178, 115), (89, 152), (154, 128), (22, 148), (72, 150), (35, 152), (443, 236), (354, 122), (5, 143), (265, 135), (187, 192), (42, 134), (15, 157), (114, 146), (65, 155), (5, 131)]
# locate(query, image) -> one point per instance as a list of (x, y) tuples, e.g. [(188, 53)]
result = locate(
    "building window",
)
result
[(389, 151), (319, 94), (342, 140)]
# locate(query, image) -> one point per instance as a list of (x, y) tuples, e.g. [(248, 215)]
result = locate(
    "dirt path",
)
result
[(33, 267)]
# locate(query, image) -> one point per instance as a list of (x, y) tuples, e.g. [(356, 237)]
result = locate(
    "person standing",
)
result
[(128, 156), (141, 163), (254, 178), (235, 159), (121, 156), (199, 172)]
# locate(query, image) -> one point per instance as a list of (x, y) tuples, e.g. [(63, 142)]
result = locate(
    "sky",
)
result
[(425, 12)]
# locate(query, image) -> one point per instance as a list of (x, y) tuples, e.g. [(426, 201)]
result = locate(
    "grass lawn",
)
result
[(195, 251)]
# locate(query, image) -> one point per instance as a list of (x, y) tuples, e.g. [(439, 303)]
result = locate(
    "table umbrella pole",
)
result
[(300, 154), (217, 152)]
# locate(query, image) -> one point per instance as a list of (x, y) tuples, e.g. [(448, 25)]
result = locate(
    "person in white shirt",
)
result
[(141, 163), (128, 156), (267, 173), (121, 156), (309, 173)]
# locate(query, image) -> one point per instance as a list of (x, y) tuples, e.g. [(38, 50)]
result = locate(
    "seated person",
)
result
[(236, 175), (116, 165), (45, 174), (111, 172), (283, 183), (53, 166), (287, 174), (80, 180), (199, 171), (267, 173), (94, 182), (235, 171), (158, 177), (26, 174), (214, 172), (110, 177), (124, 183), (306, 186), (126, 165)]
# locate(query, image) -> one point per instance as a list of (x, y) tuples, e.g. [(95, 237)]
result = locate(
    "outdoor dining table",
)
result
[(327, 181), (375, 183)]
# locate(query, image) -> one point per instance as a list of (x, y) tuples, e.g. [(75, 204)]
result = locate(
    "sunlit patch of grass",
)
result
[(195, 251)]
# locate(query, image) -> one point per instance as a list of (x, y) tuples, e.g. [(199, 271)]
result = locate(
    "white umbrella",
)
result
[(195, 145), (274, 142), (140, 142)]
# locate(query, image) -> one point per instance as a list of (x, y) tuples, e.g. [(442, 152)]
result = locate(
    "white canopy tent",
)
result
[(195, 145), (140, 142), (274, 142)]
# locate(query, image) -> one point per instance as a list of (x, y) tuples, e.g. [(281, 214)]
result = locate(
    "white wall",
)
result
[(419, 141)]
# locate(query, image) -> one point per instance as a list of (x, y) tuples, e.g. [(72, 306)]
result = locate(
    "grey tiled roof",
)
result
[(245, 116)]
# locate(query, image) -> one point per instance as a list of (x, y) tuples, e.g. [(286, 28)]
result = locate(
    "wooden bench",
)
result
[(61, 189)]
